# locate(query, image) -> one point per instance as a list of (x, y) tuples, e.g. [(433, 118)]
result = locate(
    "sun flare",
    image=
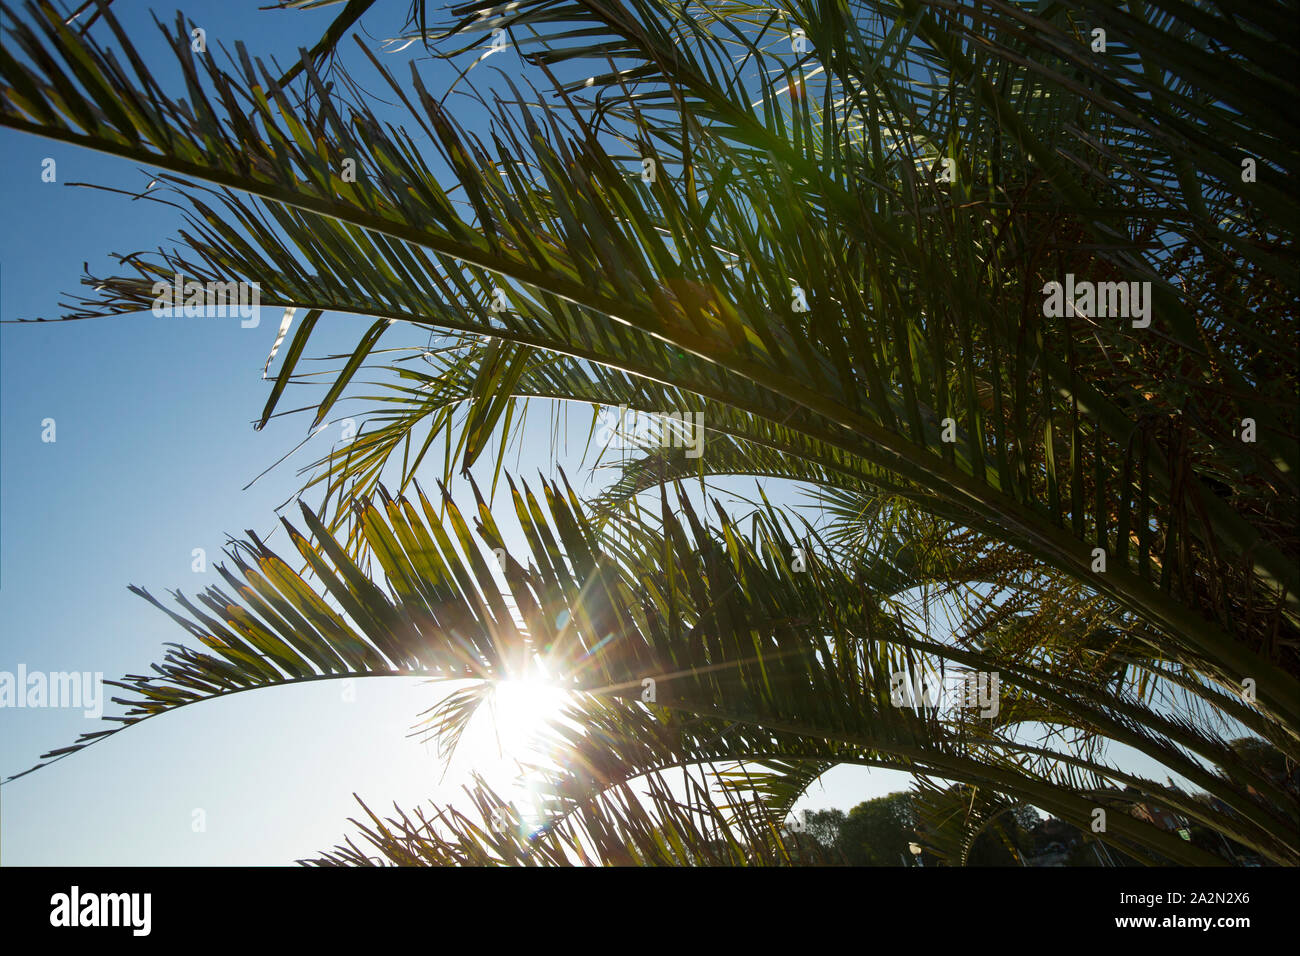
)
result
[(522, 708)]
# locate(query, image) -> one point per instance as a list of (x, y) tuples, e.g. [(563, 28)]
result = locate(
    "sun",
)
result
[(522, 708)]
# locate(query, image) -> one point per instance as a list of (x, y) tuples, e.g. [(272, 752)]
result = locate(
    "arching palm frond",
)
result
[(743, 658), (649, 826)]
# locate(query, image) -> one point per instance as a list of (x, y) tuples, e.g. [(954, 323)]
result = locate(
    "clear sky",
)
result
[(154, 444)]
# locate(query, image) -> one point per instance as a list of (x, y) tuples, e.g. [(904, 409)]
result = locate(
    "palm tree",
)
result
[(831, 229)]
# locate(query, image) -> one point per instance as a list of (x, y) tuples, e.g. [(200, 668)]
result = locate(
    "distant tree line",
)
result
[(884, 830)]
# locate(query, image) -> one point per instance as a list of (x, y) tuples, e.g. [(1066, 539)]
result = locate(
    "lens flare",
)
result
[(522, 708)]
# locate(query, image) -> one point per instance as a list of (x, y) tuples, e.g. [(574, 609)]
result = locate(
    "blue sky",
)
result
[(154, 444)]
